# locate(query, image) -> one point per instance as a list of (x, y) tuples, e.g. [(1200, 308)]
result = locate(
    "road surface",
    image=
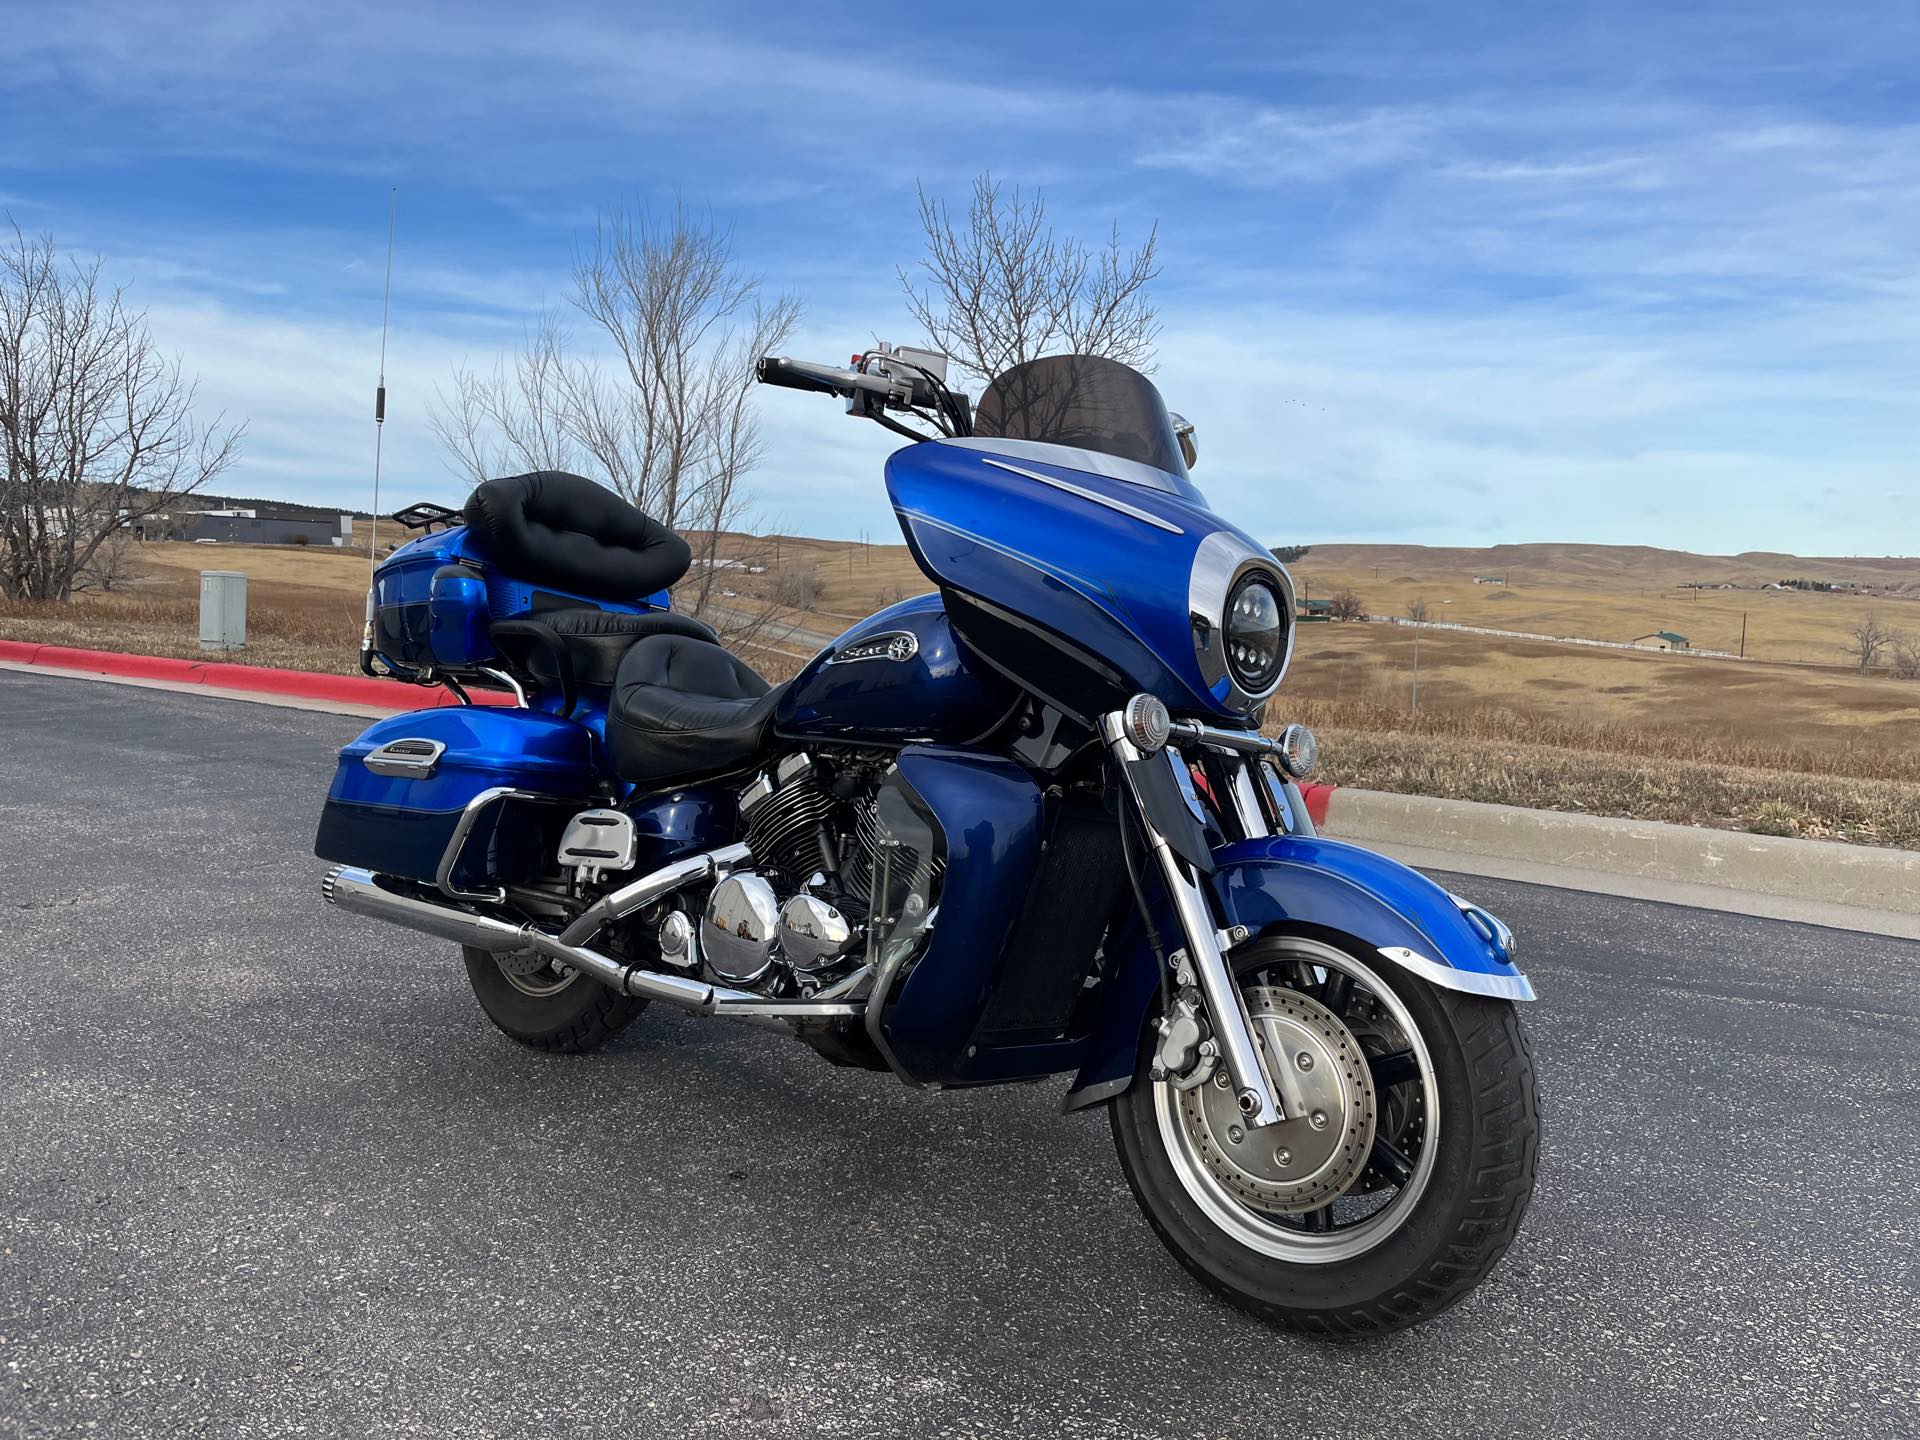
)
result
[(267, 1171)]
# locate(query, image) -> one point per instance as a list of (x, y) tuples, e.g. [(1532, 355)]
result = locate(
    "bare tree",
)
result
[(111, 564), (672, 427), (1001, 289), (1867, 638), (1417, 611), (518, 416), (798, 587), (98, 426), (1906, 658), (1346, 605)]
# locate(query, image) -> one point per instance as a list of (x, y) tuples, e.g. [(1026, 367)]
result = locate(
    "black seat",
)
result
[(589, 643), (684, 706), (552, 528)]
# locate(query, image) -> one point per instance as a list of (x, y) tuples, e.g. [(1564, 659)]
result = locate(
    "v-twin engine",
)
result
[(799, 915)]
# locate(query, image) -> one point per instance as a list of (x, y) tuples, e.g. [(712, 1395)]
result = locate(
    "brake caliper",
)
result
[(1186, 1054)]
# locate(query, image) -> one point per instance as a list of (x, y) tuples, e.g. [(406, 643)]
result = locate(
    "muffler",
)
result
[(348, 887)]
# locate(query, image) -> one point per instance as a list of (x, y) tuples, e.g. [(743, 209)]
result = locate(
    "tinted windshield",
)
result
[(1082, 400)]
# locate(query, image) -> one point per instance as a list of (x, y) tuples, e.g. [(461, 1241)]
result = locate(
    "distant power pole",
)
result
[(1743, 634), (1414, 707)]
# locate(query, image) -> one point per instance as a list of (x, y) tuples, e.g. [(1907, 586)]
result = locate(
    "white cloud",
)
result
[(1341, 427), (1513, 299)]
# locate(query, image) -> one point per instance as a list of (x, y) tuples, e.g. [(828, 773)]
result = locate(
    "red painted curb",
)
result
[(102, 662), (260, 679), (1318, 797)]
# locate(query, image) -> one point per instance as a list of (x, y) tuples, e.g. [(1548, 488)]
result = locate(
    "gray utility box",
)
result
[(223, 609)]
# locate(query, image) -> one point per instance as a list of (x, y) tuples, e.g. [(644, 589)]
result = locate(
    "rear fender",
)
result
[(1370, 904)]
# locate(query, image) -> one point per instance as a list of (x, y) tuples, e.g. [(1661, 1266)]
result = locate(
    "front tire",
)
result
[(1451, 1138), (545, 1008)]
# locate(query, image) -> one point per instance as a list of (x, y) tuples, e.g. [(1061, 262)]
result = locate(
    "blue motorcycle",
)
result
[(1029, 824)]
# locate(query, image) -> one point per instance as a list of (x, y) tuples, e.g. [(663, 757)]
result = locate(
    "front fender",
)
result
[(1298, 882)]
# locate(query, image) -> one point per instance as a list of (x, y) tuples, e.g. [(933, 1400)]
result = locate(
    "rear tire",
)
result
[(561, 1014), (1454, 1222)]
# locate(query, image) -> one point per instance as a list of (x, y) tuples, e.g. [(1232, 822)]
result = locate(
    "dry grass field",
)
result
[(1797, 743), (305, 607), (1617, 592)]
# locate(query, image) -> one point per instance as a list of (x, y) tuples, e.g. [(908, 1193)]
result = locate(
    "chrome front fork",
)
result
[(1202, 940)]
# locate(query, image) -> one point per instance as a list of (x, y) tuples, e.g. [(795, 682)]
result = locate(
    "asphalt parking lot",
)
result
[(268, 1171)]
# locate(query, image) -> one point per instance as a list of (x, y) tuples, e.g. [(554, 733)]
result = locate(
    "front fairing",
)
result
[(1076, 580)]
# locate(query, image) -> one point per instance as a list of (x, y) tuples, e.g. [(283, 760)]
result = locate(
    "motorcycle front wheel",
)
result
[(1400, 1177)]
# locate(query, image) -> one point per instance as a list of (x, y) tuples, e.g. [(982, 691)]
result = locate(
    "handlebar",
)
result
[(826, 380), (874, 384)]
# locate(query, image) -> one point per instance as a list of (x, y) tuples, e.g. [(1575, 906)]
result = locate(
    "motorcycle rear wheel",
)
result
[(1450, 1136), (564, 1013)]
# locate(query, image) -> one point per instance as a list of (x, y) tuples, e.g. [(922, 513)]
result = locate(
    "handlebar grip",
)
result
[(800, 375)]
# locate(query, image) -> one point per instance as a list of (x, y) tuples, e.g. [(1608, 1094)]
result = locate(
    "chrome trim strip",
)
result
[(1132, 511), (1299, 818), (1083, 585), (1072, 457), (1246, 802), (1467, 982)]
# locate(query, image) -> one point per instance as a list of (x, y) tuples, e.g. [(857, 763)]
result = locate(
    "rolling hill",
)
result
[(1641, 565)]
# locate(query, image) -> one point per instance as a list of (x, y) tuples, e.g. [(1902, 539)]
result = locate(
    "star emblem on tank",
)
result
[(894, 645)]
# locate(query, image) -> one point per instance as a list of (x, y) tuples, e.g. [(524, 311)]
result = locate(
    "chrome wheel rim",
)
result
[(1363, 1215), (534, 975)]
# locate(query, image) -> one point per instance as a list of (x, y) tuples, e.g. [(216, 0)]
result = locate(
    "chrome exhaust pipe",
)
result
[(351, 888)]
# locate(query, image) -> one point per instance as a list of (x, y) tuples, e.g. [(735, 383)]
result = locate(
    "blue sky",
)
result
[(1448, 274)]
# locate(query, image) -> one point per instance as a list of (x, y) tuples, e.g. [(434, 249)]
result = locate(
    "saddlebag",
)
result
[(467, 797)]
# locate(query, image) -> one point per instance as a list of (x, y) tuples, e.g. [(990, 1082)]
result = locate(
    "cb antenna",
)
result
[(380, 391)]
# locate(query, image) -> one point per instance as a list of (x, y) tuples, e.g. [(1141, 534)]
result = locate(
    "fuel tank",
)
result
[(899, 675)]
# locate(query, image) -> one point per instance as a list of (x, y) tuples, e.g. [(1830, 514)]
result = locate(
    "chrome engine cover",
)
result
[(740, 928), (813, 934)]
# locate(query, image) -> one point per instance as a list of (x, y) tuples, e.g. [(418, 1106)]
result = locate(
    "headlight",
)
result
[(1256, 630), (1240, 601)]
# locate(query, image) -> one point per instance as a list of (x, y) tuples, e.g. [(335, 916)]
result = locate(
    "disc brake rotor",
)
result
[(521, 962), (1305, 1161)]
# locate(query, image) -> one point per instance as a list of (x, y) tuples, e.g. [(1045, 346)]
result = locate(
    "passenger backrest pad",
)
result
[(566, 531)]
